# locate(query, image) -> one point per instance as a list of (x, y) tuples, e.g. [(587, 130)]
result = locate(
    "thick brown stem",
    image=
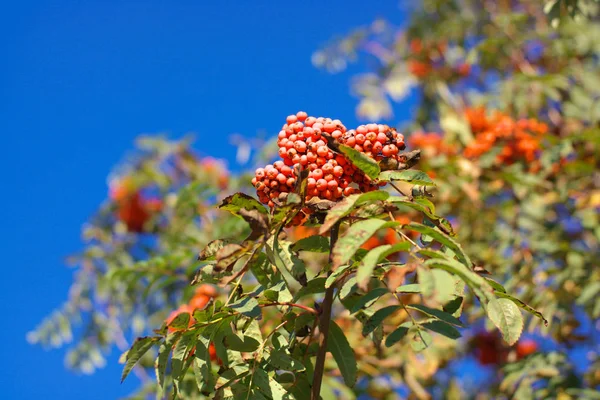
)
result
[(324, 321)]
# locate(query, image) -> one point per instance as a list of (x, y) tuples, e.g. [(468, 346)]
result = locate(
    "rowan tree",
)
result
[(370, 260)]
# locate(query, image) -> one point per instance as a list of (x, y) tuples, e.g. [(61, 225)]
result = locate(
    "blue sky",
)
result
[(80, 80)]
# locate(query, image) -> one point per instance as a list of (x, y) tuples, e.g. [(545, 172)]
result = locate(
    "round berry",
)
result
[(387, 150), (322, 151), (300, 146), (382, 138), (321, 184), (317, 174), (338, 171)]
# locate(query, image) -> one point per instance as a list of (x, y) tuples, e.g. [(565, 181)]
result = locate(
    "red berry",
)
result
[(382, 138), (322, 151), (377, 147), (338, 171), (301, 115), (386, 151), (321, 184)]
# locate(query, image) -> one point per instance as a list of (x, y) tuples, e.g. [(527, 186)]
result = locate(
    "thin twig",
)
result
[(397, 189), (402, 233), (305, 308), (324, 321)]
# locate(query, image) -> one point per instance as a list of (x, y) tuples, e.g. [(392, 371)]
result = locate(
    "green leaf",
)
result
[(181, 352), (442, 238), (377, 319), (347, 204), (437, 284), (363, 162), (181, 321), (374, 257), (283, 361), (137, 350), (410, 288), (164, 351), (202, 366), (442, 328), (439, 314), (420, 339), (241, 343), (247, 306), (357, 234), (278, 292), (270, 386), (480, 286), (424, 206), (238, 201), (411, 176), (292, 263), (368, 299), (523, 305), (315, 244), (397, 334), (210, 250), (507, 317), (454, 306), (336, 274), (342, 354), (497, 287), (314, 286), (348, 288)]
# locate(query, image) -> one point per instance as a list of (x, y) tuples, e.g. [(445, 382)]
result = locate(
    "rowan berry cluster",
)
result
[(132, 208), (202, 296), (520, 139), (305, 143), (429, 58), (430, 142)]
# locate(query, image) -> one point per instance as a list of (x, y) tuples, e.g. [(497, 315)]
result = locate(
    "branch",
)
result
[(324, 321)]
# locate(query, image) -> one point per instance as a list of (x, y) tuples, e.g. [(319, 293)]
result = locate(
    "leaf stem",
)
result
[(324, 321), (305, 308)]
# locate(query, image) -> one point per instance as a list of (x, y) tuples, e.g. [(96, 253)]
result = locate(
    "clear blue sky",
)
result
[(80, 80)]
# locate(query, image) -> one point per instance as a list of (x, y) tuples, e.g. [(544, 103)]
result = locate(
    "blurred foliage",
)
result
[(508, 123), (484, 72)]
